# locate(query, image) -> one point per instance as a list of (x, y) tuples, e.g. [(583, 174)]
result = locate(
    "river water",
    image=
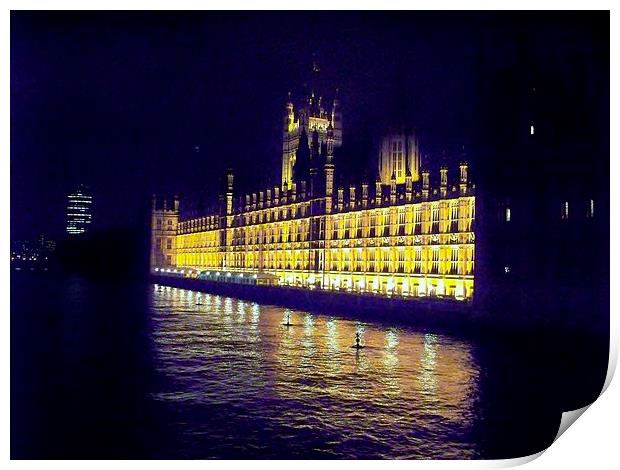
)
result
[(120, 370)]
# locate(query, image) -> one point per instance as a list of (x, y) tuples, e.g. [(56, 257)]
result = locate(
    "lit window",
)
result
[(507, 214), (590, 213), (532, 129), (565, 210)]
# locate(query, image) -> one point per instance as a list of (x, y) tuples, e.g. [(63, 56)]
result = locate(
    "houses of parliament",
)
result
[(395, 236)]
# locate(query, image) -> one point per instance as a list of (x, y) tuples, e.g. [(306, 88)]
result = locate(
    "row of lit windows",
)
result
[(442, 260), (301, 232), (286, 233)]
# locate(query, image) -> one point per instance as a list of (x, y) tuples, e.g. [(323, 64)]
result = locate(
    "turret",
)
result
[(229, 191), (352, 196), (378, 191), (329, 139), (340, 198), (276, 196), (443, 186), (425, 184), (329, 170), (364, 194), (289, 114), (408, 186), (463, 180), (393, 188)]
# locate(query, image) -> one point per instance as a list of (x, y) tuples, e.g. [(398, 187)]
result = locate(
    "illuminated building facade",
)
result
[(398, 157), (79, 211), (399, 239), (164, 226)]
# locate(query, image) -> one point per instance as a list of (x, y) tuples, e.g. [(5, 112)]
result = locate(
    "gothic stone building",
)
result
[(396, 237)]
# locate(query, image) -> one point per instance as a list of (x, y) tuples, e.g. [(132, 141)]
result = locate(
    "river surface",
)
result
[(121, 370)]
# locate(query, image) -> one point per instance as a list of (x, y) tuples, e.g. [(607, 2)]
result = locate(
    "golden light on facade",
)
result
[(307, 234)]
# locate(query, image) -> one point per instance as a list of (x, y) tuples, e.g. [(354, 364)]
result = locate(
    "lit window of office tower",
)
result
[(79, 216)]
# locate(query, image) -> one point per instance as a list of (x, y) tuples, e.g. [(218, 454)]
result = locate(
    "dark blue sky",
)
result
[(119, 100)]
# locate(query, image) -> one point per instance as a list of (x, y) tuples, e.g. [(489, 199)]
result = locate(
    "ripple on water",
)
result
[(243, 385)]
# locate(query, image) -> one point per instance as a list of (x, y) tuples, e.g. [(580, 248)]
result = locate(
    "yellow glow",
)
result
[(440, 287), (422, 287), (421, 248)]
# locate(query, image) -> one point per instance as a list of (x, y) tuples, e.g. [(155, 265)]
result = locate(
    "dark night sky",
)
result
[(119, 100)]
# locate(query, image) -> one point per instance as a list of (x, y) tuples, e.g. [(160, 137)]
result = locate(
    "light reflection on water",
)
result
[(244, 384)]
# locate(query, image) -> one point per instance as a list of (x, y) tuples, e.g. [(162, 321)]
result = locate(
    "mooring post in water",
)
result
[(357, 339)]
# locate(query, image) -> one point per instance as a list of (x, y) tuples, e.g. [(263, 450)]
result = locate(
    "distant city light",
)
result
[(78, 211)]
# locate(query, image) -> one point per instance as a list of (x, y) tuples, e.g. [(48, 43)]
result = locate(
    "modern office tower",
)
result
[(79, 211)]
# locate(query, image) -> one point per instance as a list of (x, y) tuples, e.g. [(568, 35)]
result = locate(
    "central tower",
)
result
[(399, 157), (311, 116)]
